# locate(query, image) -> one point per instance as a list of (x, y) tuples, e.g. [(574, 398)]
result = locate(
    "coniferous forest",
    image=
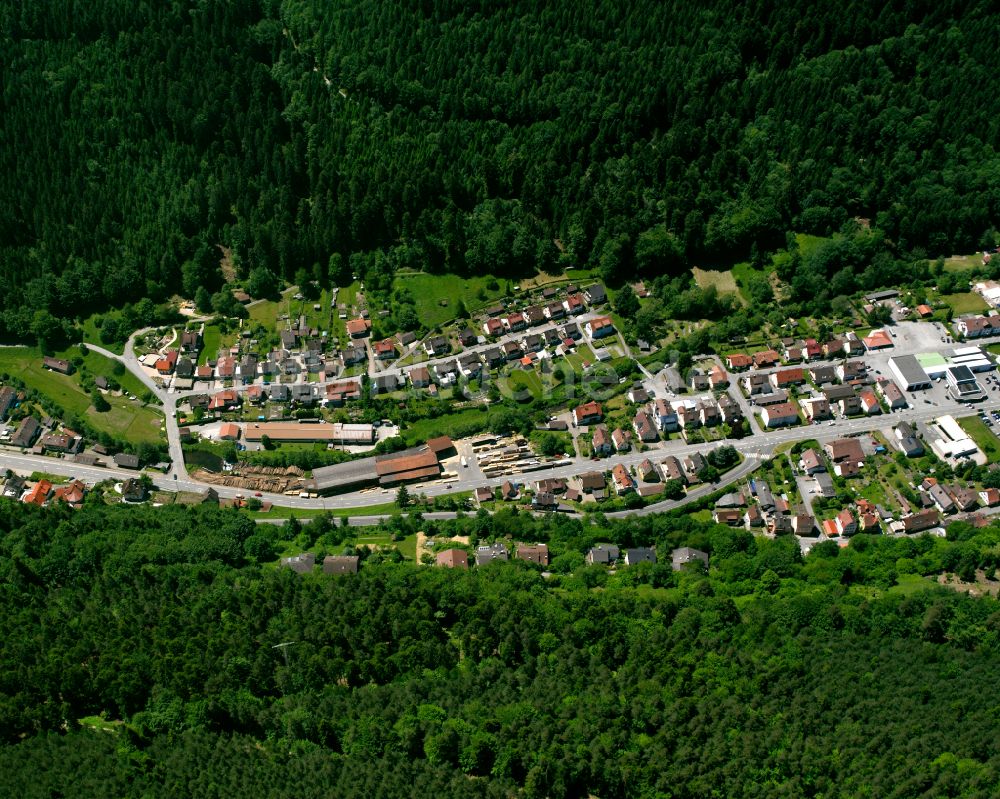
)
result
[(640, 137), (137, 659)]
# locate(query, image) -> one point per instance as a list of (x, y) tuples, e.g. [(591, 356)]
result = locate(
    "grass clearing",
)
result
[(965, 302), (92, 335), (983, 436), (126, 419), (962, 263), (908, 584), (456, 425), (436, 297), (724, 282)]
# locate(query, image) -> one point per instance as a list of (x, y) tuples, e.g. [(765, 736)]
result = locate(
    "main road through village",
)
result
[(761, 445)]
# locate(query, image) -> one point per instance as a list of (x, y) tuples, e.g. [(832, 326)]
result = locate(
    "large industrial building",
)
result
[(949, 441), (909, 373), (410, 465), (914, 372)]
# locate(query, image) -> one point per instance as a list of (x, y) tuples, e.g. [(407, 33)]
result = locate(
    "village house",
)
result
[(453, 559), (533, 553), (783, 378), (384, 350), (781, 415), (766, 358), (816, 409), (644, 427), (891, 393), (622, 440), (684, 556), (600, 327), (601, 442), (738, 361)]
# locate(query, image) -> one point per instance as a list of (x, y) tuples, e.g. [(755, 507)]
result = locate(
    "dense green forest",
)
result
[(368, 136), (137, 659)]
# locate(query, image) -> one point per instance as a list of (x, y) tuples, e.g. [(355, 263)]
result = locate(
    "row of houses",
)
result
[(809, 349), (601, 554), (977, 325)]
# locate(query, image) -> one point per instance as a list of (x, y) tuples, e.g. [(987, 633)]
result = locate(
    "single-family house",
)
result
[(738, 361), (26, 433), (845, 522), (587, 414), (487, 553), (453, 559), (811, 462), (600, 327), (595, 294), (664, 416), (340, 564), (603, 554), (420, 377), (493, 328), (782, 414), (891, 393), (622, 440), (766, 358), (358, 328), (622, 480), (869, 402), (533, 553), (385, 350), (639, 555), (783, 378), (684, 556), (601, 442), (644, 427)]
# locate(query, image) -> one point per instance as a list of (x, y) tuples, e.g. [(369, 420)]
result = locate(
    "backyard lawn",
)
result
[(965, 302)]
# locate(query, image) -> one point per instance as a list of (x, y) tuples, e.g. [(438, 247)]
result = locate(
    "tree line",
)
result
[(137, 657), (468, 138)]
